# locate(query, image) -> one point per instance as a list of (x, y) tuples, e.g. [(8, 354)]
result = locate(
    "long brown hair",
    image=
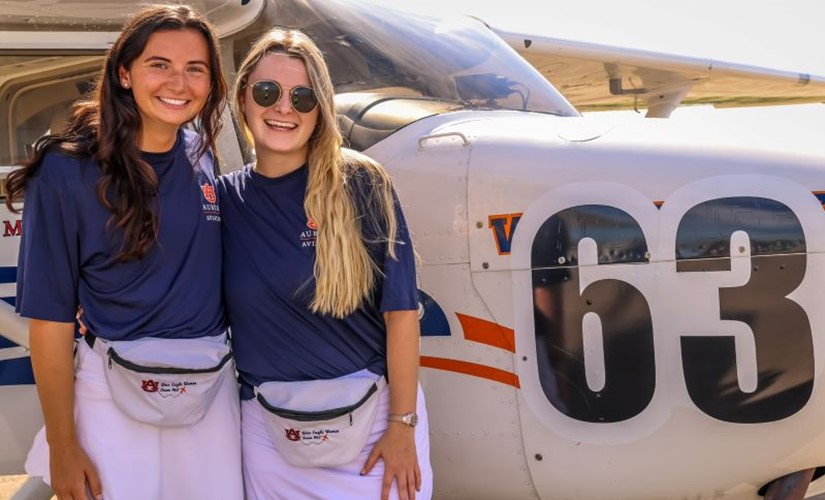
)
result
[(344, 272), (107, 127)]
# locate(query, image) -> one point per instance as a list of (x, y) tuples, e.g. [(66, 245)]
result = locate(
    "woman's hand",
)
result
[(71, 471), (82, 329), (397, 448)]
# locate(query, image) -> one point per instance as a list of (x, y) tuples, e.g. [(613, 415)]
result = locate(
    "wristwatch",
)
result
[(410, 419)]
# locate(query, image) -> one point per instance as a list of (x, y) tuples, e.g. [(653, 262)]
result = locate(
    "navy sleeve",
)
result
[(48, 264), (399, 288)]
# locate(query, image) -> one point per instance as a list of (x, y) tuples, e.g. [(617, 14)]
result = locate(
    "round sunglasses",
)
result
[(266, 93)]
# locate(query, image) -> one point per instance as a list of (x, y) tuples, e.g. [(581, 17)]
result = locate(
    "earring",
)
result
[(124, 84)]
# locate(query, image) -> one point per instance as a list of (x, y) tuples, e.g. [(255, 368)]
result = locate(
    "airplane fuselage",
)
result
[(607, 311)]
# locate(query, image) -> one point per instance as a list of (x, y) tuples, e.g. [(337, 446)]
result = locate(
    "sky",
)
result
[(783, 35), (756, 32)]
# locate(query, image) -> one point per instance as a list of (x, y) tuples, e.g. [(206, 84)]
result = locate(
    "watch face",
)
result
[(410, 419)]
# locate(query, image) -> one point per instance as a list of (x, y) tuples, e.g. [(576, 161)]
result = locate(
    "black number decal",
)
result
[(781, 330), (558, 308)]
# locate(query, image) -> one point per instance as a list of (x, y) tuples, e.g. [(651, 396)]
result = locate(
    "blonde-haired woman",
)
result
[(319, 278)]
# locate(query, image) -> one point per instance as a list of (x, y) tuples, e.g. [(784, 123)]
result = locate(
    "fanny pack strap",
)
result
[(90, 340), (97, 345)]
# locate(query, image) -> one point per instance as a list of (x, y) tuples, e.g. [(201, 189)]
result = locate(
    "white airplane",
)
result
[(625, 311)]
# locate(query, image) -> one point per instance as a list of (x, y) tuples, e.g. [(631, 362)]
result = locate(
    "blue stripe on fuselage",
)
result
[(13, 371), (16, 372), (8, 274), (433, 322)]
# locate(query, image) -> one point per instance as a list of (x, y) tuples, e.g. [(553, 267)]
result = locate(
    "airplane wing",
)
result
[(602, 77)]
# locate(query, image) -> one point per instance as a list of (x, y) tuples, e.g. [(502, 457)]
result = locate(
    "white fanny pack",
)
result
[(165, 382), (321, 423)]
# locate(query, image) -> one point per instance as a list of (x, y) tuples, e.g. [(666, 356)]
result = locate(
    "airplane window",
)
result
[(377, 55), (36, 93)]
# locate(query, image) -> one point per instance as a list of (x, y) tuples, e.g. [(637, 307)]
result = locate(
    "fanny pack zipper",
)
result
[(113, 355), (313, 416)]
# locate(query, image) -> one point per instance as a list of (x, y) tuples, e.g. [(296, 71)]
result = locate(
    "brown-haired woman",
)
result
[(320, 283), (121, 219)]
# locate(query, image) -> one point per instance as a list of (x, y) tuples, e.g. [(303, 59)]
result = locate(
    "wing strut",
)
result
[(661, 99)]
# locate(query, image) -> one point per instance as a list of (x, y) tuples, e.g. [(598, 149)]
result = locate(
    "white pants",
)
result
[(268, 477), (141, 461)]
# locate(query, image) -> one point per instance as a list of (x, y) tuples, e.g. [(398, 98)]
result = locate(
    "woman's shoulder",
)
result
[(235, 180), (362, 173), (357, 161), (192, 144), (192, 140), (58, 167)]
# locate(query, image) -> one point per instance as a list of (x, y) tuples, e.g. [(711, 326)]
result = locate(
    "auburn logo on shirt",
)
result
[(209, 193), (309, 235), (210, 207), (293, 434)]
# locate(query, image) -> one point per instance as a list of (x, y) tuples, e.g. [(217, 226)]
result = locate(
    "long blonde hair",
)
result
[(345, 274)]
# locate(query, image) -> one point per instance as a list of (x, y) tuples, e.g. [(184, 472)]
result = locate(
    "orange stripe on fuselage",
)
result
[(487, 332), (472, 369)]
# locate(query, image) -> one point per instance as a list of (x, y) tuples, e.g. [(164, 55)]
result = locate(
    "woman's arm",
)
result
[(402, 360), (51, 352), (397, 445)]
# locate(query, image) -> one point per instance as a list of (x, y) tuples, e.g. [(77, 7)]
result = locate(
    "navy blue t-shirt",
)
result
[(67, 252), (269, 254)]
